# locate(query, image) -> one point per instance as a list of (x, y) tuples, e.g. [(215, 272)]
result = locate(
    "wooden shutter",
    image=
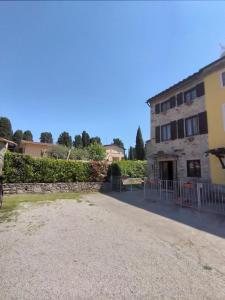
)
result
[(200, 89), (203, 124), (180, 99), (173, 126), (157, 134), (172, 102), (180, 128), (157, 108)]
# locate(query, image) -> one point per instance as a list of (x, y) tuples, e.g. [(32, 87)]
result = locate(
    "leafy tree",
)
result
[(27, 136), (58, 152), (139, 147), (79, 154), (46, 137), (65, 139), (95, 140), (78, 143), (118, 142), (85, 139), (5, 128), (96, 152), (131, 153), (18, 136)]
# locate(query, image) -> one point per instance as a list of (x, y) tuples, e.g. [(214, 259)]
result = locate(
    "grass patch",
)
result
[(12, 203)]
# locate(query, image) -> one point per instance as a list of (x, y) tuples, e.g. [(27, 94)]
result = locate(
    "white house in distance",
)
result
[(114, 153)]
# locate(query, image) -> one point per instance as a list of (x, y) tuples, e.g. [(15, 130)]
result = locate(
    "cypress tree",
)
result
[(27, 136), (46, 137), (18, 136), (65, 139), (78, 143), (85, 139), (5, 128), (139, 147)]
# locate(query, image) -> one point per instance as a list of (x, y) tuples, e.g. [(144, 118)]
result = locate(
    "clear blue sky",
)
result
[(91, 66)]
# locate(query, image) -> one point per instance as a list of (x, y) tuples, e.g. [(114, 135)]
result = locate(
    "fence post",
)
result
[(111, 181), (199, 187), (144, 188), (120, 183)]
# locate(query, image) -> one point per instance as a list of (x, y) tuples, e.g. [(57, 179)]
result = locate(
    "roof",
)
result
[(7, 141), (23, 142), (109, 145), (188, 79)]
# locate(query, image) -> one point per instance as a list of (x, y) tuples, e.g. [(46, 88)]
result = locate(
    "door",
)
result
[(166, 170)]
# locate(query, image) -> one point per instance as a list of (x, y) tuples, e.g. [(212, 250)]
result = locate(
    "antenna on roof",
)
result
[(222, 47)]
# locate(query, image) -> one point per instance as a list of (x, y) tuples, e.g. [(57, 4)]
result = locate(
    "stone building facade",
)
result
[(179, 133)]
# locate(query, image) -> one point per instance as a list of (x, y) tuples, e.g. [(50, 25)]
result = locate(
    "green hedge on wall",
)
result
[(23, 168), (130, 168)]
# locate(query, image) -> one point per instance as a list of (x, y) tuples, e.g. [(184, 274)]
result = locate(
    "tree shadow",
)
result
[(209, 222)]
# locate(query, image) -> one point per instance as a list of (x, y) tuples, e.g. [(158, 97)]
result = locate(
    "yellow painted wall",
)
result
[(215, 98)]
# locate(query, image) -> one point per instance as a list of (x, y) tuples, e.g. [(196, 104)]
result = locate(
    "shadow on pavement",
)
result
[(208, 222)]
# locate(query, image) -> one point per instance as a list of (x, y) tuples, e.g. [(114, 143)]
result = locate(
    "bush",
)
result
[(23, 168), (129, 168)]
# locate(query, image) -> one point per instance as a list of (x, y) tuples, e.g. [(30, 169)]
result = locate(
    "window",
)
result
[(166, 132), (194, 168), (192, 126), (190, 95), (223, 79), (165, 106)]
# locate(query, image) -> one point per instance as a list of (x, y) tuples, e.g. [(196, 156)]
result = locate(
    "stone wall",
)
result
[(63, 187)]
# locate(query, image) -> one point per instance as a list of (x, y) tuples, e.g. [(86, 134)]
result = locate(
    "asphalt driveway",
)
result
[(113, 246)]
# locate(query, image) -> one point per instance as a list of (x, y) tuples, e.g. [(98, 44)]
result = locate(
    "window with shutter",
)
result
[(157, 134), (157, 108), (190, 95), (173, 126), (165, 132), (223, 79), (172, 102), (180, 100), (200, 89), (203, 124), (180, 128), (165, 106), (192, 126)]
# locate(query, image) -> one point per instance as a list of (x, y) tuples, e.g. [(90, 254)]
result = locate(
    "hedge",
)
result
[(130, 168), (23, 168)]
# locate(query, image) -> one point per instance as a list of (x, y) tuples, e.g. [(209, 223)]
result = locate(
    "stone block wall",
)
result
[(59, 187)]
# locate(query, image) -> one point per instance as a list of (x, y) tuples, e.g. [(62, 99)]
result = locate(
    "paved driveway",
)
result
[(112, 247)]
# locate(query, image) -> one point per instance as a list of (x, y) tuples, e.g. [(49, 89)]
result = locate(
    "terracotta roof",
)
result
[(186, 80), (23, 142), (114, 145), (7, 141)]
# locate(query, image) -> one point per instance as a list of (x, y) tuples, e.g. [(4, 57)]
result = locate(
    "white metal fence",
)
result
[(202, 196)]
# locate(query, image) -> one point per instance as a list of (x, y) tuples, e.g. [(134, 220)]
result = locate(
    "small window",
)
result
[(223, 79), (166, 132), (194, 168), (192, 126), (165, 106), (190, 95)]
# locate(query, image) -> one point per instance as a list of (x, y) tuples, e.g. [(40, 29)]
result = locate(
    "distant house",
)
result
[(114, 153), (35, 149)]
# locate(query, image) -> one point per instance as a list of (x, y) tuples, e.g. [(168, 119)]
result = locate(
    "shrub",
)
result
[(96, 152), (23, 168), (130, 168)]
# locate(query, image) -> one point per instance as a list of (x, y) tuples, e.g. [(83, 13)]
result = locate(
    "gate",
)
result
[(202, 196)]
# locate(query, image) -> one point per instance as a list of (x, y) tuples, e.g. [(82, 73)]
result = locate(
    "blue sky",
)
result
[(91, 66)]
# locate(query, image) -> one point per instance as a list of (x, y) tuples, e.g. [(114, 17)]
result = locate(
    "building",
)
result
[(187, 120), (35, 149), (114, 153)]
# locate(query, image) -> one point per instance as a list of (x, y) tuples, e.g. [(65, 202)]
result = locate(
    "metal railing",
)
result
[(202, 196)]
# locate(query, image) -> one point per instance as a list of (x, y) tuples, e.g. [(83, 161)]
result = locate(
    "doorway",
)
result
[(166, 170)]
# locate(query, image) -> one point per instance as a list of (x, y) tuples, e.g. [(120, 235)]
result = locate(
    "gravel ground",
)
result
[(113, 246)]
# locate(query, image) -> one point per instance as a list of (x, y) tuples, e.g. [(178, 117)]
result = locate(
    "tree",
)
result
[(5, 128), (85, 139), (58, 152), (65, 139), (95, 140), (46, 137), (131, 153), (27, 136), (139, 147), (79, 154), (78, 143), (18, 136), (96, 152), (118, 142)]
